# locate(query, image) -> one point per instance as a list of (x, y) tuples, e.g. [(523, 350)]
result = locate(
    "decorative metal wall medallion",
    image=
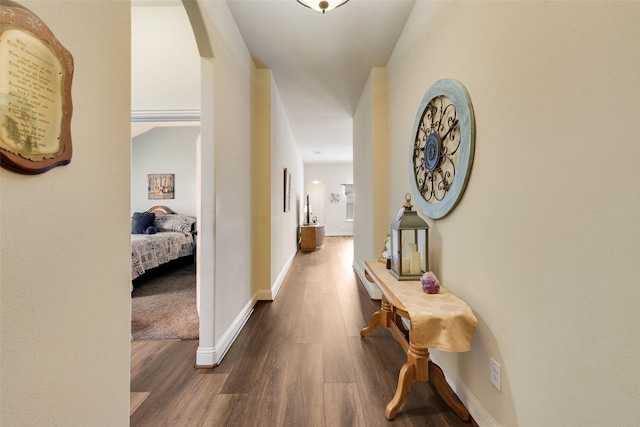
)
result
[(441, 153)]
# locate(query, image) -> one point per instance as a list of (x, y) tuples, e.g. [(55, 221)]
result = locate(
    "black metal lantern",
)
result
[(409, 244)]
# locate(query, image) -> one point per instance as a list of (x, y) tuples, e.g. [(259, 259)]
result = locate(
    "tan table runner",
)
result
[(442, 321)]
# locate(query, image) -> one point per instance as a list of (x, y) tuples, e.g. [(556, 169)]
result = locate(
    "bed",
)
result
[(160, 236)]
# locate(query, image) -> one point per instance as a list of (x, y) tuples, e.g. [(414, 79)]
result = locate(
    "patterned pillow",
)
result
[(179, 223)]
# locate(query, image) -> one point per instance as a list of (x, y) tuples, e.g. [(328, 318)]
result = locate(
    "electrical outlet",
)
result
[(494, 372)]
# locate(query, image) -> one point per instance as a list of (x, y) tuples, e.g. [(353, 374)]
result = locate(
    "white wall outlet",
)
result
[(494, 372)]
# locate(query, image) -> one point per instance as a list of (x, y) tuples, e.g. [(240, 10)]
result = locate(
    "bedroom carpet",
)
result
[(164, 307)]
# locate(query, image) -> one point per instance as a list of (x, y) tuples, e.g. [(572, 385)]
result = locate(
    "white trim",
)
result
[(371, 288), (212, 356), (283, 273), (165, 115), (340, 234), (207, 357), (230, 335), (478, 411), (270, 295)]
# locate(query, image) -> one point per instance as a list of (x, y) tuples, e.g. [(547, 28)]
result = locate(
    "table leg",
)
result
[(415, 369), (436, 376), (375, 321), (380, 317), (406, 377)]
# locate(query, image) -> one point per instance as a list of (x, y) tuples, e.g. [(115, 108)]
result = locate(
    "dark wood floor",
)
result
[(299, 361)]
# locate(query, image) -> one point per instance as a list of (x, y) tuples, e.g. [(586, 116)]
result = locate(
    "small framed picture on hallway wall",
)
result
[(287, 190)]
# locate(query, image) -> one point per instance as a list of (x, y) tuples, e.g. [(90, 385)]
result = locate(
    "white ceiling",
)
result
[(320, 63)]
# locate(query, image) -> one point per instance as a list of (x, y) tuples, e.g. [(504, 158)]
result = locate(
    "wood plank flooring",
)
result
[(299, 361)]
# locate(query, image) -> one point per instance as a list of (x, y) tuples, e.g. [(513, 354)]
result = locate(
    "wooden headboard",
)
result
[(161, 210)]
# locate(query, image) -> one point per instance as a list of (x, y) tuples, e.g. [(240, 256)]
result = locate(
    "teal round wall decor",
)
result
[(441, 153)]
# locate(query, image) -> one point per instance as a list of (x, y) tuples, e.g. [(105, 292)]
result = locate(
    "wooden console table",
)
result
[(441, 321), (311, 237)]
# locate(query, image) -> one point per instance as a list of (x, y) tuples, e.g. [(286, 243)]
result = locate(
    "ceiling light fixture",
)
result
[(322, 6)]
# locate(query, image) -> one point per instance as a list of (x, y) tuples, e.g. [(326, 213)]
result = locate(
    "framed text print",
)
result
[(35, 93)]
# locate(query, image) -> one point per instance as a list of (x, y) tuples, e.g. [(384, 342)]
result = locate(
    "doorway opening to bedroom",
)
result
[(163, 268), (165, 145)]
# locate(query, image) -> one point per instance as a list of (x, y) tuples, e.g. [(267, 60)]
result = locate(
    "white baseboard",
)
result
[(206, 357), (339, 234), (371, 288), (477, 410), (283, 273), (270, 295), (212, 356)]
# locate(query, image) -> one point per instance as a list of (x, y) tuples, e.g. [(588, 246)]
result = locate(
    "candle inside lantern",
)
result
[(406, 264), (415, 267)]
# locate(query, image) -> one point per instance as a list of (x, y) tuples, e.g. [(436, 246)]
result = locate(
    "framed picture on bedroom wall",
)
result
[(161, 186), (287, 190)]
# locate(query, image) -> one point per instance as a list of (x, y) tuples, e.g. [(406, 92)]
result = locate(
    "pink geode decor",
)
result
[(430, 283)]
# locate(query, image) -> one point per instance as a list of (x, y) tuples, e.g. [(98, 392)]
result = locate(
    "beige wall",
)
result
[(284, 225), (261, 184), (163, 46), (370, 174), (64, 239), (274, 235), (544, 243)]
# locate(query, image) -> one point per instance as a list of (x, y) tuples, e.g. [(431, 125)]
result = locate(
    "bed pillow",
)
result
[(179, 223), (141, 221)]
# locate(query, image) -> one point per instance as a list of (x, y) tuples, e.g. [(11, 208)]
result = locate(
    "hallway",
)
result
[(299, 361)]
